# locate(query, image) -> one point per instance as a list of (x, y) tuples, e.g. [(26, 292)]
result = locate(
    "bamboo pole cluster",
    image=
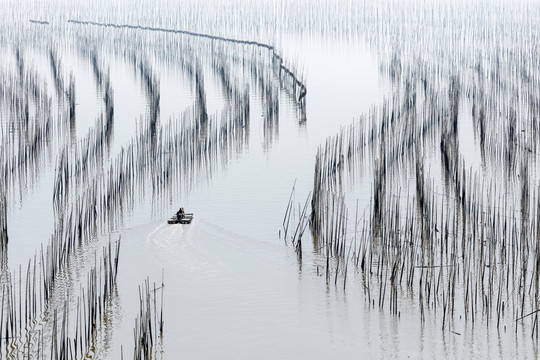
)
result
[(38, 319), (148, 329), (450, 232)]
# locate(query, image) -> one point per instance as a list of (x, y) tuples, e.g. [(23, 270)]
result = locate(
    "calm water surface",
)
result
[(233, 288)]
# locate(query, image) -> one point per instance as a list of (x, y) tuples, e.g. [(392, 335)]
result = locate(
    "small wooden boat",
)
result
[(185, 219)]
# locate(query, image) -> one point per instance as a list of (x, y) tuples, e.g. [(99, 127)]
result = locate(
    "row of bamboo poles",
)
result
[(43, 314), (450, 232)]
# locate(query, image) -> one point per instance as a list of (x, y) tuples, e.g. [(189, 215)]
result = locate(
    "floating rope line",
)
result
[(275, 55)]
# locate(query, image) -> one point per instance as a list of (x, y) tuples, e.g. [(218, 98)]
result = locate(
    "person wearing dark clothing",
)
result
[(180, 214)]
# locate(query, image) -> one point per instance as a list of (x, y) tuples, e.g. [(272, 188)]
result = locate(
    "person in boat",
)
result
[(180, 214)]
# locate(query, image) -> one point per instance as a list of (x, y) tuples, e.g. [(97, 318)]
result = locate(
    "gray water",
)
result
[(234, 287)]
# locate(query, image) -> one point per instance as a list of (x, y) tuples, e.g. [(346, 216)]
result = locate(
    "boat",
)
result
[(186, 219)]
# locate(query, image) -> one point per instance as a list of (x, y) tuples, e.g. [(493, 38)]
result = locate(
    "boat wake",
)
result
[(182, 246), (167, 240)]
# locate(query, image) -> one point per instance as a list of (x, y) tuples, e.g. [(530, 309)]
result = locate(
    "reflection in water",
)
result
[(49, 319), (441, 223), (294, 83), (71, 306), (436, 219), (148, 330)]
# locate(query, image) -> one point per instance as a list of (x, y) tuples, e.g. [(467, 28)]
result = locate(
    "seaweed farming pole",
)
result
[(275, 55), (3, 224), (148, 337)]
